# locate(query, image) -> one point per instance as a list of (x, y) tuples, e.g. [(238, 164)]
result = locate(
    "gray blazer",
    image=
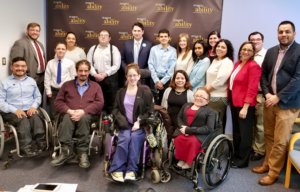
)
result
[(24, 48), (288, 76)]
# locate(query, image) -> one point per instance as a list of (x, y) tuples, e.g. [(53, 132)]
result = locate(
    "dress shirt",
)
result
[(161, 63), (102, 59), (19, 94), (136, 50), (68, 72), (81, 88), (259, 56), (39, 70)]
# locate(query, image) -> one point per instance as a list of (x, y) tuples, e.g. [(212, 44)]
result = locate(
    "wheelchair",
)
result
[(9, 132), (213, 162), (98, 129), (154, 150)]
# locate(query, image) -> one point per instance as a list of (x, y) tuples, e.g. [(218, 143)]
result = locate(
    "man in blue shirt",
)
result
[(19, 101), (161, 63)]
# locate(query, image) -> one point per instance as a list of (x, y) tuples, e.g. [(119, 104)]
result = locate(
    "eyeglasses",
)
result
[(103, 35), (258, 39), (133, 75), (249, 50), (200, 96)]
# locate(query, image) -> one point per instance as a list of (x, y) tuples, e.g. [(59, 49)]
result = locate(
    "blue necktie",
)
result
[(58, 78)]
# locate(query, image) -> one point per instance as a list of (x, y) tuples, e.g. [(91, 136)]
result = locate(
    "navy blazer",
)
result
[(288, 76), (127, 53)]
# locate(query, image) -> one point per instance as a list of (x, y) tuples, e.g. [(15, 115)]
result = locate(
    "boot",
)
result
[(84, 160), (65, 155)]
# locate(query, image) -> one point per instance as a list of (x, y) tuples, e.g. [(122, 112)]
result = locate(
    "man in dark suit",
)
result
[(280, 83), (34, 53), (136, 51)]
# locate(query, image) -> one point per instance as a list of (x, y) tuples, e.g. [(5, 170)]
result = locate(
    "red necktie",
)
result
[(41, 59)]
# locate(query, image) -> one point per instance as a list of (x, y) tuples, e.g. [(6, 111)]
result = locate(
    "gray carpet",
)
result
[(37, 170)]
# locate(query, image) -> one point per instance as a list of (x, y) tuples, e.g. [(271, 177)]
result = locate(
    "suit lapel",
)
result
[(287, 55)]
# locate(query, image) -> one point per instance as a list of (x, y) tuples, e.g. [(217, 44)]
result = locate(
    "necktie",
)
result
[(136, 52), (58, 77), (40, 57)]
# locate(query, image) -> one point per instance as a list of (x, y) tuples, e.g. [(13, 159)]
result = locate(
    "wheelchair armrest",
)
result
[(210, 137)]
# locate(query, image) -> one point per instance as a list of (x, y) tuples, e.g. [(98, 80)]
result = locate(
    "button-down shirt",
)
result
[(82, 88), (259, 56), (102, 59), (19, 94), (68, 72), (161, 63)]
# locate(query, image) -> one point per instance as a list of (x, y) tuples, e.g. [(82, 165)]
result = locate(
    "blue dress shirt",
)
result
[(81, 88)]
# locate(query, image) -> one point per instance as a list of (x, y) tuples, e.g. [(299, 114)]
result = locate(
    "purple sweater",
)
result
[(68, 98)]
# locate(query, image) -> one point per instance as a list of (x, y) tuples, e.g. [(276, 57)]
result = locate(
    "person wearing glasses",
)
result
[(133, 103), (195, 121), (258, 144), (243, 88)]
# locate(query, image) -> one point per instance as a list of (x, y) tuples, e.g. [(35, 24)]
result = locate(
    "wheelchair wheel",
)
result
[(2, 137), (217, 161), (155, 176), (48, 126), (165, 176)]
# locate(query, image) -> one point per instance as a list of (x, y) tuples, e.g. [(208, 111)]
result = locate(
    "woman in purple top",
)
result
[(132, 103)]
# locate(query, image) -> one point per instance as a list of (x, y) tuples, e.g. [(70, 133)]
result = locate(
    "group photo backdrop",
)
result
[(86, 18)]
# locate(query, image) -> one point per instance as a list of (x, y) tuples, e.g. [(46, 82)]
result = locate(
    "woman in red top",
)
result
[(195, 120), (243, 86)]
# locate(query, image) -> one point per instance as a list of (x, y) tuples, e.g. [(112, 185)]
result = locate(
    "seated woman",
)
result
[(132, 103), (196, 120), (175, 97)]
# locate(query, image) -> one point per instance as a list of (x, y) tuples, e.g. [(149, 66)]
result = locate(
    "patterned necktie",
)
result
[(58, 77), (40, 57)]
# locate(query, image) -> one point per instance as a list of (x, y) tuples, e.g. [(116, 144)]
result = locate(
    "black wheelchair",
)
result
[(154, 150), (213, 162), (97, 135), (9, 132)]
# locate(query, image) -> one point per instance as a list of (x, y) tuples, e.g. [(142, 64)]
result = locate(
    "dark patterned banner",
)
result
[(87, 18)]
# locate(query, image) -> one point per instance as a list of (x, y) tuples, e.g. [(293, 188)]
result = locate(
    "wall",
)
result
[(14, 16), (238, 20)]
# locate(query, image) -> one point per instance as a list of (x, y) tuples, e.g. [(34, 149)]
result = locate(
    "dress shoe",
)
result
[(186, 166), (41, 146), (256, 157), (65, 155), (267, 180), (84, 161), (238, 165), (260, 169), (180, 164), (28, 151)]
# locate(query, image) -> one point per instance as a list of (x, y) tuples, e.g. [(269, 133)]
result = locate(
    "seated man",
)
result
[(79, 100), (19, 100)]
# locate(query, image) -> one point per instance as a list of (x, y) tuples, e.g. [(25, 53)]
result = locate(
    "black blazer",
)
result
[(203, 123), (288, 76), (143, 106)]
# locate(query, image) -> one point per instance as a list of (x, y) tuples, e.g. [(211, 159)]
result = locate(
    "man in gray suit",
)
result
[(34, 53), (280, 83)]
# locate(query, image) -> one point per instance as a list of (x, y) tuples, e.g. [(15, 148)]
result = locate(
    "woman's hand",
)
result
[(182, 130), (243, 113), (136, 125)]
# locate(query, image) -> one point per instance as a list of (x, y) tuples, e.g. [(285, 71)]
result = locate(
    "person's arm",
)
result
[(59, 102), (223, 74), (164, 101), (82, 54), (36, 96), (96, 106), (120, 119), (116, 61), (202, 68), (47, 80), (152, 64), (90, 59), (4, 106)]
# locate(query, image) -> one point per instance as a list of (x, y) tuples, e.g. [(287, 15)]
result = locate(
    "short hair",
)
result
[(164, 31), (188, 48), (187, 80), (133, 66), (230, 49), (245, 43), (30, 25), (256, 33), (58, 43), (138, 24), (16, 59), (287, 22), (83, 62), (105, 30), (210, 34), (203, 89), (70, 32), (205, 50)]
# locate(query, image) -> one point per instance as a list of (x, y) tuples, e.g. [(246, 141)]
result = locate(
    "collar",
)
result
[(161, 47), (140, 41), (86, 83), (287, 47), (13, 77)]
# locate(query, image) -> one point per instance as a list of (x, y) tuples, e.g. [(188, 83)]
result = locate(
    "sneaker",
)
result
[(117, 176), (186, 166), (180, 163), (130, 176)]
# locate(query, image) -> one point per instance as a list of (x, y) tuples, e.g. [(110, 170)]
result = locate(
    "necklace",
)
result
[(178, 92)]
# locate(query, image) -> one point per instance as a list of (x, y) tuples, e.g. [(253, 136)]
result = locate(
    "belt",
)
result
[(55, 89)]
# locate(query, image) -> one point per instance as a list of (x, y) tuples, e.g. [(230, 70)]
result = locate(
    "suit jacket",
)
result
[(288, 76), (245, 84), (203, 123), (128, 57), (24, 48), (143, 106)]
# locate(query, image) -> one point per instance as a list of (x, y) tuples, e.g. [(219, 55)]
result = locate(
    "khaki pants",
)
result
[(278, 123), (258, 145)]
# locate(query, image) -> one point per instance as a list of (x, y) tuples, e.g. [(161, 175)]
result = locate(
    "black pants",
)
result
[(109, 88), (28, 128), (52, 109), (242, 134), (158, 94)]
